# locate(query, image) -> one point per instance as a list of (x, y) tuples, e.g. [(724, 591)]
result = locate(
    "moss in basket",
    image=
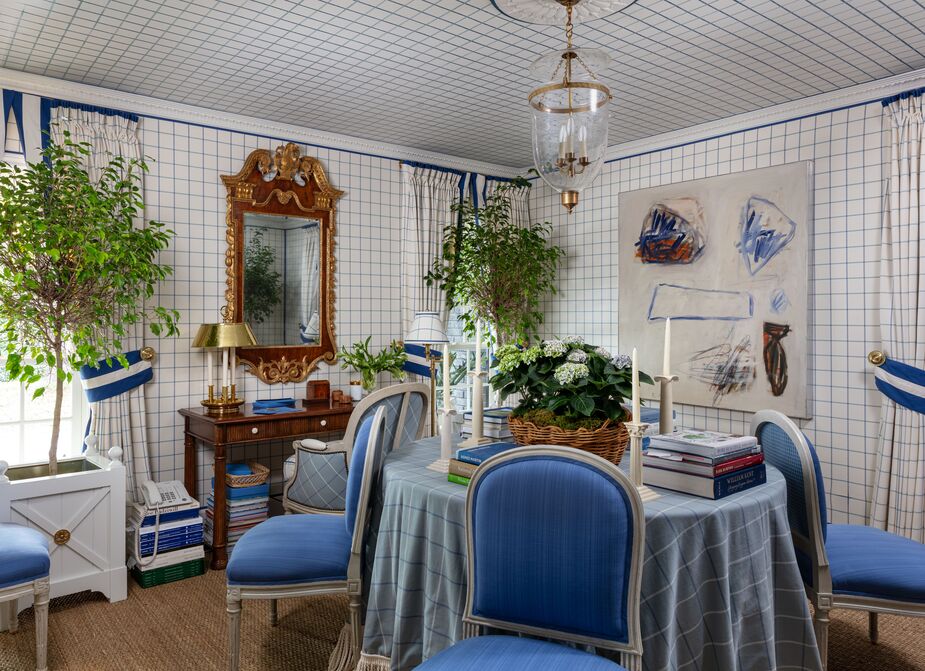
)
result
[(565, 382)]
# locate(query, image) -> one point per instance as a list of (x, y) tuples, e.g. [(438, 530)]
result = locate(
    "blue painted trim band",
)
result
[(12, 100), (473, 194)]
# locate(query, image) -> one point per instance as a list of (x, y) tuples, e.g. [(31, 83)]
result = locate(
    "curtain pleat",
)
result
[(898, 501)]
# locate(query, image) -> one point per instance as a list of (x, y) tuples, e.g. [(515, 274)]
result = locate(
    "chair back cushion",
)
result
[(355, 474), (781, 452), (396, 433), (552, 544)]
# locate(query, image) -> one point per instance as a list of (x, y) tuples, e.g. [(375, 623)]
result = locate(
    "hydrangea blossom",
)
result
[(554, 348), (577, 356), (604, 352), (569, 373), (530, 354), (622, 361), (573, 340)]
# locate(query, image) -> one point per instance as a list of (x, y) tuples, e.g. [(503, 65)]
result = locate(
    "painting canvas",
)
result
[(726, 258)]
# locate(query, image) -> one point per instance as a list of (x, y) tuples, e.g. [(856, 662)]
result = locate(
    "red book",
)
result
[(704, 470)]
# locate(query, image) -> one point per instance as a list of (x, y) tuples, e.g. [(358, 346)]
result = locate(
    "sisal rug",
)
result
[(181, 627)]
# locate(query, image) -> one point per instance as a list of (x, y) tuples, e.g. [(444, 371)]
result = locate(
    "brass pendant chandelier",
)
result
[(570, 104)]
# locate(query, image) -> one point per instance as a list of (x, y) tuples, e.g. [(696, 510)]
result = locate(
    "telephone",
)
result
[(158, 495)]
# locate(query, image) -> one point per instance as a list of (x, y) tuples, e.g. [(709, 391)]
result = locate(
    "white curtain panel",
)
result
[(898, 503), (519, 197), (121, 420), (109, 135), (427, 197), (309, 284)]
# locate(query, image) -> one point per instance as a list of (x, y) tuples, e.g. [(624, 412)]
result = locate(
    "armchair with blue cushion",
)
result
[(843, 565), (302, 555), (555, 538), (316, 474), (24, 570)]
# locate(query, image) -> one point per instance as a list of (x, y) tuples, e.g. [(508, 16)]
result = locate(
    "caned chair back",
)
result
[(788, 449), (555, 539)]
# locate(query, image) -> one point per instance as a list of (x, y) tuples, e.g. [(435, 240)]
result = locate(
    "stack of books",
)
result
[(494, 423), (467, 460), (179, 544), (245, 507), (703, 463)]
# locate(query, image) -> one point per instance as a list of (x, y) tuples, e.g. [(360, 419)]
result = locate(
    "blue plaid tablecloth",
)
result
[(721, 590)]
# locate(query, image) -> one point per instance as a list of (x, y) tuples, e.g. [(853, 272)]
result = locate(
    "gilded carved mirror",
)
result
[(280, 262)]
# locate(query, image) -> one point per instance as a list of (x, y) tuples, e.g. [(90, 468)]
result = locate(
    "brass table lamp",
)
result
[(225, 337)]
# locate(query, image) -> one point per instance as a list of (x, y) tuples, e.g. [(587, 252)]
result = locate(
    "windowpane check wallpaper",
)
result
[(847, 147)]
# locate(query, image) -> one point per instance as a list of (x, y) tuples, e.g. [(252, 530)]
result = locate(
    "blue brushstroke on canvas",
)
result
[(765, 231), (779, 301), (667, 237), (693, 304)]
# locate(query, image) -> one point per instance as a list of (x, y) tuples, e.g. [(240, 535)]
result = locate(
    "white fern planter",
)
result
[(82, 512)]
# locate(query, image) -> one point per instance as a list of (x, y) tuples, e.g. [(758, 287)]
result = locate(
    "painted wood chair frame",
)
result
[(9, 600), (821, 593), (347, 651), (344, 446), (631, 652)]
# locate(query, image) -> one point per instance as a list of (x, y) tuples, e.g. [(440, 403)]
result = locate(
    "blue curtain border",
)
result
[(913, 93), (47, 104), (12, 100)]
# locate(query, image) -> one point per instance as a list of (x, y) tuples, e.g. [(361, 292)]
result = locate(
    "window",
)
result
[(25, 424)]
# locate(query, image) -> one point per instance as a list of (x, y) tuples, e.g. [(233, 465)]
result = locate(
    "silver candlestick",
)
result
[(665, 403), (637, 430)]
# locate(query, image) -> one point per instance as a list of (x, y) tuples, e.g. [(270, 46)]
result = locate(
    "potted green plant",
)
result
[(263, 286), (76, 272), (369, 365), (571, 393), (497, 269)]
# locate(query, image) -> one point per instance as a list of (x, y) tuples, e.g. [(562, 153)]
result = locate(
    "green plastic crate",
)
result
[(165, 574)]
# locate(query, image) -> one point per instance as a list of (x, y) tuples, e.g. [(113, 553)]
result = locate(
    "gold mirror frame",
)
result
[(285, 183)]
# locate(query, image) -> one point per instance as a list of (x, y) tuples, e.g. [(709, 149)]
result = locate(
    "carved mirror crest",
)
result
[(279, 263)]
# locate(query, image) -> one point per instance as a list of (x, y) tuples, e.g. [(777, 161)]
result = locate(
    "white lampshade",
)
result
[(426, 329)]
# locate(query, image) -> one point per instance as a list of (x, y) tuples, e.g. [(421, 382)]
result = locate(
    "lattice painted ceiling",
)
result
[(451, 75)]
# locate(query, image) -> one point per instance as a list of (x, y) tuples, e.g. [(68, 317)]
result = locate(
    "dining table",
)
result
[(721, 589)]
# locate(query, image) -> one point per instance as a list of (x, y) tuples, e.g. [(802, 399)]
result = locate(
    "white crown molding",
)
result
[(147, 106), (819, 104)]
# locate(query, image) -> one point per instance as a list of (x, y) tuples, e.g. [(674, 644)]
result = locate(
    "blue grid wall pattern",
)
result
[(847, 147)]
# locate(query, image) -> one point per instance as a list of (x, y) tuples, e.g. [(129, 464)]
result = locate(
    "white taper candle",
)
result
[(210, 370), (446, 376), (666, 357), (636, 404), (234, 362), (224, 367)]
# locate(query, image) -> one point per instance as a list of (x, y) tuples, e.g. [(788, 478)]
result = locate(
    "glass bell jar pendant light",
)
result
[(570, 116), (570, 102)]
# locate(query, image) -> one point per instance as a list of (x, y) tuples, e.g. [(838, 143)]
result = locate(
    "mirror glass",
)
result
[(282, 281)]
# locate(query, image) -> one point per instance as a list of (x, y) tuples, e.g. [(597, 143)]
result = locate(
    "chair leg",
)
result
[(233, 601), (821, 625), (12, 614), (872, 627), (40, 604), (274, 612), (356, 627)]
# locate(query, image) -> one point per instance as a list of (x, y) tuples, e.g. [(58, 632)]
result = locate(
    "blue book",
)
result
[(706, 487), (245, 492), (274, 403), (476, 455)]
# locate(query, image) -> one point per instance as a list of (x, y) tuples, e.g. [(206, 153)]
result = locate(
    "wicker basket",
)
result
[(258, 475), (609, 441)]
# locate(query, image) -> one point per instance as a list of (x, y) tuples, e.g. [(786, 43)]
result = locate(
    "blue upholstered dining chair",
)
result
[(24, 567), (554, 539), (316, 475), (843, 565), (302, 555)]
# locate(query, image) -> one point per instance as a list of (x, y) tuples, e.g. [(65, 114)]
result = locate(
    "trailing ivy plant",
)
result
[(263, 286), (498, 270), (359, 357), (76, 272)]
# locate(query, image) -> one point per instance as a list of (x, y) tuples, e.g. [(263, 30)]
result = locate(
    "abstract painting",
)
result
[(726, 258)]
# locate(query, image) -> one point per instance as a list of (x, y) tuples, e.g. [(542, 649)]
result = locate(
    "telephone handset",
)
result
[(160, 494)]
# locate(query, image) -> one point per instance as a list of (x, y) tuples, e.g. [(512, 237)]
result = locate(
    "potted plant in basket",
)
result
[(572, 394), (369, 365)]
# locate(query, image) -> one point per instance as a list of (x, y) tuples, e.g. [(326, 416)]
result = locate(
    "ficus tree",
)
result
[(499, 270), (76, 268)]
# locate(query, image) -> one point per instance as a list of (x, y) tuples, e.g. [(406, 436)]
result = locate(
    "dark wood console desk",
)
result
[(242, 428)]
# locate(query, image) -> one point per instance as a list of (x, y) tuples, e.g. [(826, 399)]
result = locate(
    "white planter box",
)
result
[(82, 512)]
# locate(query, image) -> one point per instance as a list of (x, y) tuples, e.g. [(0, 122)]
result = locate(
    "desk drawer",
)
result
[(291, 427)]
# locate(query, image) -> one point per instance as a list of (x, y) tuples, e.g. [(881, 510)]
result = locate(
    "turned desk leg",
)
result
[(219, 521)]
